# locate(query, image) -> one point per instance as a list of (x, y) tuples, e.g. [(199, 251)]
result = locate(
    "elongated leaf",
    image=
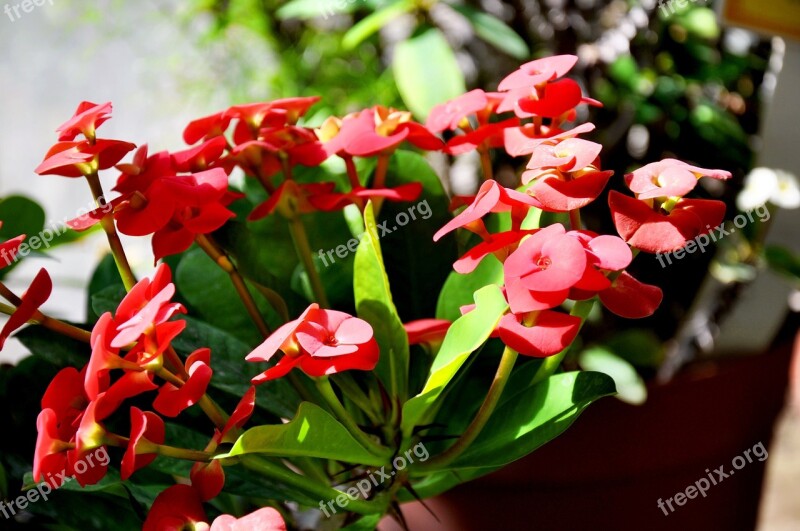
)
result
[(465, 335), (374, 304), (495, 32), (20, 215), (533, 416), (313, 432), (427, 72), (374, 22), (630, 386), (458, 289)]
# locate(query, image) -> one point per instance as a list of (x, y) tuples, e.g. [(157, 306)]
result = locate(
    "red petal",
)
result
[(36, 295), (563, 196), (551, 333), (629, 298)]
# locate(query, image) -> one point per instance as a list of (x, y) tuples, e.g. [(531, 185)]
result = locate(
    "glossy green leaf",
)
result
[(413, 260), (458, 289), (465, 335), (427, 72), (20, 215), (495, 31), (374, 22), (374, 304), (630, 386), (313, 432), (529, 418)]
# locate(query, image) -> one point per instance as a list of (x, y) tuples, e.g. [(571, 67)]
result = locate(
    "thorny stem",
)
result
[(303, 248), (222, 260), (124, 268)]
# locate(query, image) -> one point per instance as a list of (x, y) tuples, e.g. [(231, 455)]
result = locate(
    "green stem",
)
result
[(303, 248), (353, 392), (322, 492), (124, 268), (379, 181), (481, 418), (220, 258), (52, 324), (329, 395), (575, 219), (486, 164), (551, 364), (183, 453)]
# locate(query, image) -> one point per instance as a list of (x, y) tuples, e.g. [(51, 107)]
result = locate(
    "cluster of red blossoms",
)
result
[(179, 197)]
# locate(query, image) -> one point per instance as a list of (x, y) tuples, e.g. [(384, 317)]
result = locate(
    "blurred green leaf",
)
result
[(495, 32), (20, 215), (630, 386), (783, 260), (700, 22), (427, 72), (374, 22)]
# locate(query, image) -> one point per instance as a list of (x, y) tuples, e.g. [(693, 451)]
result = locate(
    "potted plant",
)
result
[(262, 377)]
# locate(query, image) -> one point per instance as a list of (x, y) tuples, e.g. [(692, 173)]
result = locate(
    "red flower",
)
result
[(76, 159), (569, 154), (499, 244), (87, 118), (146, 428), (426, 331), (319, 342), (292, 198), (629, 298), (490, 135), (537, 72), (171, 400), (491, 198), (540, 273), (668, 178), (264, 519), (336, 201), (558, 192), (524, 140), (200, 157), (454, 114), (9, 249), (36, 295), (379, 130), (556, 99), (207, 127), (178, 507), (543, 334), (657, 232)]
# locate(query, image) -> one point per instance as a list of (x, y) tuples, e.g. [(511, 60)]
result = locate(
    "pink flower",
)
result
[(668, 178), (547, 332), (264, 519), (319, 342)]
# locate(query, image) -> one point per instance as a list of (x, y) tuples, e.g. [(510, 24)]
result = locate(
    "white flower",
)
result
[(764, 185)]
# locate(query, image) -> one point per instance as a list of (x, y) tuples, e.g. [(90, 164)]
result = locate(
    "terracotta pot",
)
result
[(608, 471)]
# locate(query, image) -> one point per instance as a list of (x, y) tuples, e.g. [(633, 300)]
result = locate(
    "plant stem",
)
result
[(183, 453), (222, 260), (352, 391), (575, 219), (303, 248), (329, 395), (481, 418), (114, 243), (323, 492), (46, 321), (380, 180), (486, 164)]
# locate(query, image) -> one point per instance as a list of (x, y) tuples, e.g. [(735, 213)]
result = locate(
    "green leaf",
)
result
[(495, 32), (365, 523), (210, 293), (105, 275), (412, 258), (465, 335), (630, 386), (53, 347), (458, 289), (374, 22), (374, 304), (107, 299), (533, 416), (783, 261), (427, 72), (20, 215), (313, 432)]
